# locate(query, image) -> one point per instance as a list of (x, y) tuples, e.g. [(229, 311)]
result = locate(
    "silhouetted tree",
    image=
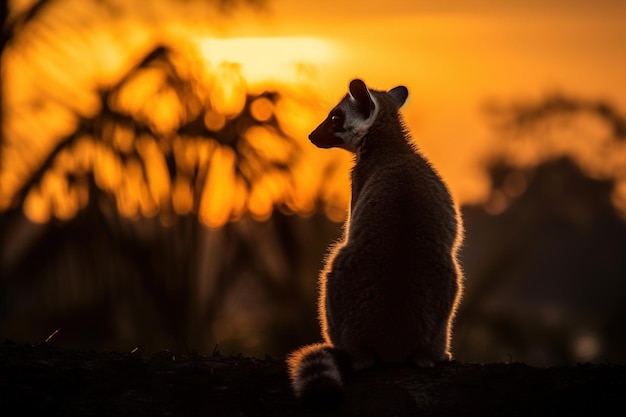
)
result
[(131, 263), (543, 257)]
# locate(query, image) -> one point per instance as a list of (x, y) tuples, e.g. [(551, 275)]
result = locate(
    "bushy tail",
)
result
[(317, 374)]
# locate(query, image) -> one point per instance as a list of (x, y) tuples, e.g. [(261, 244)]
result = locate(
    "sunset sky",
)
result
[(454, 56), (123, 120)]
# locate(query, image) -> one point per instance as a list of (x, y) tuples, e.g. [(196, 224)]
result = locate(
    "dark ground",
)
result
[(47, 381)]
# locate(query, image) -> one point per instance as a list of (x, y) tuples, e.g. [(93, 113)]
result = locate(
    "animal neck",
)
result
[(382, 142), (379, 148)]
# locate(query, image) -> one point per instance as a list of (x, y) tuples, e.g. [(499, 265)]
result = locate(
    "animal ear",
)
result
[(360, 93), (399, 95)]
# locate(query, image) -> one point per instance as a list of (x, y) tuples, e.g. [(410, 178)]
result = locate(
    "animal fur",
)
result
[(390, 288)]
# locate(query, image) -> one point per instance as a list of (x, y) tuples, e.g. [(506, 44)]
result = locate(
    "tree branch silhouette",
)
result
[(162, 255)]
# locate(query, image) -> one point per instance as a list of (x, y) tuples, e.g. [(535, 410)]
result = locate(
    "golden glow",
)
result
[(134, 197), (182, 196), (228, 95), (36, 207), (451, 61), (147, 96), (107, 169), (264, 59), (262, 109), (216, 204), (266, 142), (156, 170), (133, 169), (214, 121)]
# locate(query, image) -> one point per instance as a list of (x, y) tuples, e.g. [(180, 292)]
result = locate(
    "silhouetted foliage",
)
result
[(524, 116), (544, 264), (543, 258), (545, 277), (151, 275)]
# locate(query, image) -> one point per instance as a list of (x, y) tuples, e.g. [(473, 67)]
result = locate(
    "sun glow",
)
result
[(270, 59), (247, 133), (449, 61)]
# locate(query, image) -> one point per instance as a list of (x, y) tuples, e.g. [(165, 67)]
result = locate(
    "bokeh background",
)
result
[(158, 191)]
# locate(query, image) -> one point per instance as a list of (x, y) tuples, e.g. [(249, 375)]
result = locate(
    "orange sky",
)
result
[(452, 56), (456, 55)]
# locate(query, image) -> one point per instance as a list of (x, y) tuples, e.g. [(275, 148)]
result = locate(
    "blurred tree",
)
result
[(590, 132), (544, 256), (122, 230)]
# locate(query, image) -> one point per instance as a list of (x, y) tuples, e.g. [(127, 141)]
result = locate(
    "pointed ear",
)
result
[(360, 93), (399, 95)]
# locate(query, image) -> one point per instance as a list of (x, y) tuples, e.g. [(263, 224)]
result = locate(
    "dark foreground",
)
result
[(47, 381)]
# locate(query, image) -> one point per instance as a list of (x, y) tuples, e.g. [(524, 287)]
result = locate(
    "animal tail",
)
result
[(317, 374)]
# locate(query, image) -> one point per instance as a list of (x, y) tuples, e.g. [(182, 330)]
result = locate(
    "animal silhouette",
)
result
[(390, 288)]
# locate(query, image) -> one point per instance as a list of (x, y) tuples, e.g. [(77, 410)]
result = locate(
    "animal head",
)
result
[(350, 121)]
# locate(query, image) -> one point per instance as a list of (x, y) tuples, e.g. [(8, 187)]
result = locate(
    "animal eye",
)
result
[(337, 120)]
